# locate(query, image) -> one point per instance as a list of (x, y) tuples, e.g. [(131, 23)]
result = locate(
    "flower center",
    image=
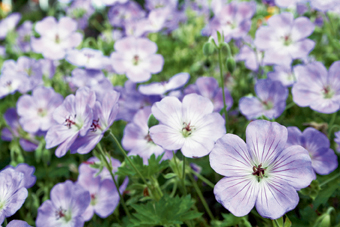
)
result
[(57, 38), (287, 40), (136, 60), (259, 172), (95, 125), (69, 122), (148, 138), (327, 92), (61, 213), (8, 83), (93, 199), (268, 105), (187, 129), (42, 112)]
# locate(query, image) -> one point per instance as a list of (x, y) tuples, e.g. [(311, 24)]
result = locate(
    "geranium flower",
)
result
[(260, 172), (324, 5), (317, 88), (68, 202), (13, 193), (137, 140), (190, 126), (121, 14), (270, 100), (74, 117), (29, 179), (286, 75), (8, 24), (136, 58), (284, 39), (337, 140), (324, 161), (18, 223), (56, 37), (36, 111), (88, 58)]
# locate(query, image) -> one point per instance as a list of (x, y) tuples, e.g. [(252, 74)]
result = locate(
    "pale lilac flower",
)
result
[(74, 117), (88, 58), (104, 195), (13, 192), (208, 87), (160, 88), (287, 3), (121, 14), (324, 160), (9, 84), (270, 100), (253, 59), (18, 223), (56, 37), (317, 88), (286, 75), (108, 2), (104, 174), (137, 140), (324, 5), (48, 67), (190, 126), (136, 58), (104, 114), (26, 141), (233, 20), (29, 179), (80, 11), (93, 79), (337, 140), (159, 4), (23, 40), (36, 111), (2, 51), (260, 172), (8, 24), (284, 39), (68, 202)]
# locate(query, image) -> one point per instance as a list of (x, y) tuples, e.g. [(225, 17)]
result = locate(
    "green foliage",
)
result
[(154, 167), (152, 121), (231, 220), (166, 211), (312, 190)]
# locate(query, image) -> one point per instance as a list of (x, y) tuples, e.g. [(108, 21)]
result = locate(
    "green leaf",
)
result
[(152, 121), (166, 211), (312, 190), (154, 167)]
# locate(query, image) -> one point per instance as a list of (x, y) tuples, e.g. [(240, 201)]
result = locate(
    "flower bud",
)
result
[(231, 65), (208, 49)]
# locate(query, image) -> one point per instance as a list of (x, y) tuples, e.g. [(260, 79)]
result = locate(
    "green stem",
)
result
[(277, 223), (329, 180), (290, 105), (183, 176), (177, 168), (109, 167), (127, 157), (199, 193), (331, 124), (205, 180), (222, 82)]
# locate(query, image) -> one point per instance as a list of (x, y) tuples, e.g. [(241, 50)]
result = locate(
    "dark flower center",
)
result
[(8, 83), (60, 213), (287, 40), (93, 199), (268, 105), (69, 122), (187, 129), (327, 92), (136, 60), (259, 171), (41, 112), (57, 38), (148, 138), (95, 125)]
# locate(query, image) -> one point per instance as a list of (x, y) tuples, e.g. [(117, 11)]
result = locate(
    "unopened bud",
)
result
[(208, 49), (231, 65)]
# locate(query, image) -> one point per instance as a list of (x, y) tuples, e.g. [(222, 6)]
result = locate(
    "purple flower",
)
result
[(137, 140), (104, 195), (286, 75), (104, 114), (93, 79), (158, 4), (318, 89), (18, 223), (36, 111), (208, 87), (324, 5), (260, 172), (8, 24), (88, 58), (252, 58), (56, 37), (81, 11), (74, 117), (190, 126), (233, 20), (287, 3), (121, 14), (337, 140), (48, 68), (29, 179), (68, 202), (175, 82), (136, 58), (324, 161), (23, 41), (284, 39), (9, 84), (270, 100), (13, 192), (104, 174), (27, 141)]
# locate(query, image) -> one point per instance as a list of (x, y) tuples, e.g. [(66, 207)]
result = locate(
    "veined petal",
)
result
[(275, 198), (230, 157), (293, 166), (237, 194), (167, 137), (169, 112), (195, 107)]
